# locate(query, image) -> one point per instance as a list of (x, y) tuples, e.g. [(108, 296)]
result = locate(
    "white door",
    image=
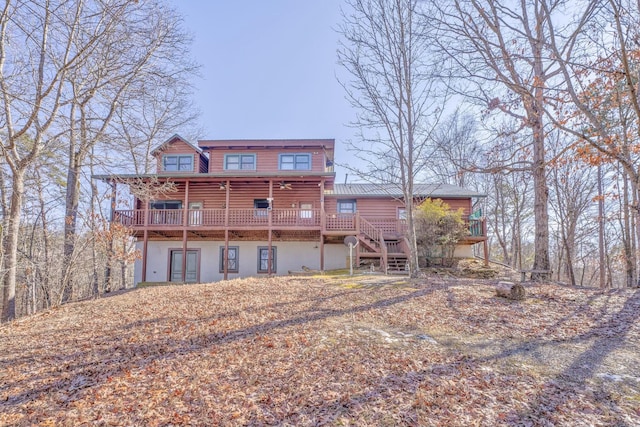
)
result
[(195, 213)]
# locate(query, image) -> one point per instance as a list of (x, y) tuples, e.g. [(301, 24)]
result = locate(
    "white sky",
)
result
[(269, 69)]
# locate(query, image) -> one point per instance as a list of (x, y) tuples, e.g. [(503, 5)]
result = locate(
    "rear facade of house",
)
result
[(241, 208)]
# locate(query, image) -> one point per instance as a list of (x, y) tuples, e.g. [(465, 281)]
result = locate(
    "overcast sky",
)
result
[(268, 69)]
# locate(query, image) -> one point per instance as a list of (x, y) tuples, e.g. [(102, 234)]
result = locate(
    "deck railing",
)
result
[(217, 217), (476, 227), (341, 222), (259, 218)]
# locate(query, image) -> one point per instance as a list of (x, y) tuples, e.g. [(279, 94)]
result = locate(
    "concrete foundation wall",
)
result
[(290, 256)]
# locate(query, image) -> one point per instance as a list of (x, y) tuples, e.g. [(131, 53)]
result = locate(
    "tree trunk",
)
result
[(601, 249), (11, 264), (535, 110), (70, 225), (627, 233)]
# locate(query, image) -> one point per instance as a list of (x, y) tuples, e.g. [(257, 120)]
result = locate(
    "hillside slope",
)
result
[(314, 351)]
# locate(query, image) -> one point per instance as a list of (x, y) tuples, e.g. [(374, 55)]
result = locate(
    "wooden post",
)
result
[(270, 212), (225, 258), (184, 230), (323, 224), (145, 241), (226, 205), (485, 246), (113, 201), (145, 210), (357, 248), (321, 252)]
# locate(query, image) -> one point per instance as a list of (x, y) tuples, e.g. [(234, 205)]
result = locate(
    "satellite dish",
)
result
[(350, 240)]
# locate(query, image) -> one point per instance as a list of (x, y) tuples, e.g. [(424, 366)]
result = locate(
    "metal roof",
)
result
[(266, 143), (392, 190)]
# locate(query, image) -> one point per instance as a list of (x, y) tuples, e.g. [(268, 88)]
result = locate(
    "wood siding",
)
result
[(267, 159), (385, 207), (242, 194)]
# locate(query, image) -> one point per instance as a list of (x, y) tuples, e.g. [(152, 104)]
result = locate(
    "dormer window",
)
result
[(177, 163), (295, 162), (240, 162)]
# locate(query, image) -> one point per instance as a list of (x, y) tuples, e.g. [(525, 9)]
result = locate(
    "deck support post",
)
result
[(225, 258), (485, 246), (112, 213), (145, 244), (321, 252), (185, 214), (323, 224), (269, 232)]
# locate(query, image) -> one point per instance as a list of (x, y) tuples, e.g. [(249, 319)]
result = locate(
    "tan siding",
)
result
[(267, 160)]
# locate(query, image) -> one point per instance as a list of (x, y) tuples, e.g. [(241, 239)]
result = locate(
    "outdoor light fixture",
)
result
[(222, 186)]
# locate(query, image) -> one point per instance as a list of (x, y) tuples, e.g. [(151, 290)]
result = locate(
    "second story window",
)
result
[(177, 163), (347, 206), (240, 162), (295, 161)]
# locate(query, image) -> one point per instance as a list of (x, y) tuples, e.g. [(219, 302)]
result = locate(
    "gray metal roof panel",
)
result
[(390, 190)]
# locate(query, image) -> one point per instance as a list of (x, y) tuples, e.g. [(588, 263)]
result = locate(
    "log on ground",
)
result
[(514, 291)]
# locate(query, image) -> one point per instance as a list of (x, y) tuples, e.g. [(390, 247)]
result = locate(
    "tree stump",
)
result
[(513, 291)]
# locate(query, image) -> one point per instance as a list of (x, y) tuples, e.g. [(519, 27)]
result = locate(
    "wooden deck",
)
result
[(194, 220)]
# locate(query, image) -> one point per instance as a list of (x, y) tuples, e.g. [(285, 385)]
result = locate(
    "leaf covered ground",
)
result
[(312, 351)]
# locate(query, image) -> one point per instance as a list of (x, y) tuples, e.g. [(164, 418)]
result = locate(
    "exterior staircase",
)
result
[(393, 255)]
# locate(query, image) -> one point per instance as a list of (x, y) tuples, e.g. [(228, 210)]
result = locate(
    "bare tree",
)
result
[(142, 53), (573, 191), (37, 51), (598, 102), (500, 47), (457, 154), (386, 52), (65, 66)]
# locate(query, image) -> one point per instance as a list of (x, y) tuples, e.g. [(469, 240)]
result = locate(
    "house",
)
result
[(242, 208)]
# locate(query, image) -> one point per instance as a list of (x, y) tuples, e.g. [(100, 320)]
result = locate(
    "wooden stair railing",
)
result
[(372, 238)]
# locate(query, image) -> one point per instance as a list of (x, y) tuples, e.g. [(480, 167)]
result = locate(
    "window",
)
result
[(295, 162), (232, 266), (240, 162), (261, 207), (346, 206), (166, 204), (402, 213), (182, 163), (306, 210), (263, 259)]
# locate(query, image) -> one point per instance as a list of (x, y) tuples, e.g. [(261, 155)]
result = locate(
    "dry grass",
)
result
[(327, 351)]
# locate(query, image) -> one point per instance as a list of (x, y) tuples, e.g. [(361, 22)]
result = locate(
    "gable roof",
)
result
[(170, 140), (390, 190)]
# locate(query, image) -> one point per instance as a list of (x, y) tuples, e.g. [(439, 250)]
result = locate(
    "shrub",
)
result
[(438, 230)]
